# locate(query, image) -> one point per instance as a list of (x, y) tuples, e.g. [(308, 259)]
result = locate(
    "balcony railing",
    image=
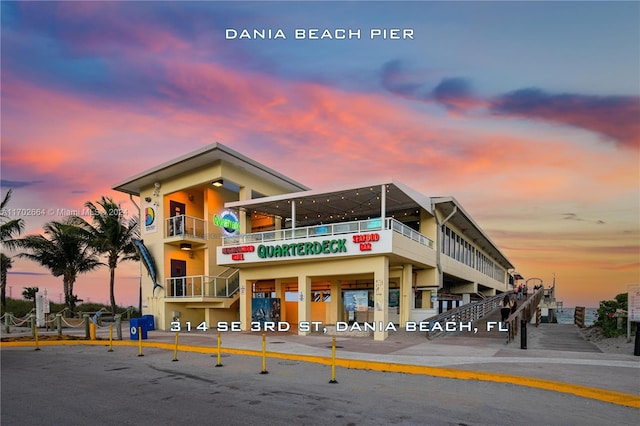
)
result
[(329, 229), (203, 286), (185, 226)]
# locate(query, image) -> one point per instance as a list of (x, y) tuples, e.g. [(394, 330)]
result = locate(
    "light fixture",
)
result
[(185, 246), (217, 182), (147, 199)]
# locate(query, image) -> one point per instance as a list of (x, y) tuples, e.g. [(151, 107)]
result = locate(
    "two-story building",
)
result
[(233, 240)]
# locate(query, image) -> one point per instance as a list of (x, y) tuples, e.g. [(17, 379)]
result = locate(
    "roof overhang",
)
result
[(203, 157), (339, 204), (462, 220)]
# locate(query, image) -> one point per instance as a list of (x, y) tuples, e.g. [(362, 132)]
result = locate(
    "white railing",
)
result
[(329, 229), (203, 286), (185, 226)]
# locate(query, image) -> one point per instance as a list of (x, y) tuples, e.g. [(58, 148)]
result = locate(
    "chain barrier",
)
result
[(73, 326)]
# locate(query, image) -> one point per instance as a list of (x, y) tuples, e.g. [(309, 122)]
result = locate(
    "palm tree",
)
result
[(111, 234), (30, 293), (9, 229), (64, 250)]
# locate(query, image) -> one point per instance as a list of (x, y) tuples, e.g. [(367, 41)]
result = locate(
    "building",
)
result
[(234, 240)]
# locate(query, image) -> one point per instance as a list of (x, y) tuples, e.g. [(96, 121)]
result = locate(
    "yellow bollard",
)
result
[(333, 361), (110, 338), (175, 350), (264, 354), (35, 331), (140, 341), (92, 331), (219, 364)]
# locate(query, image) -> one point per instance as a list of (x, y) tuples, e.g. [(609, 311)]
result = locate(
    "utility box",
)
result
[(150, 322), (137, 325)]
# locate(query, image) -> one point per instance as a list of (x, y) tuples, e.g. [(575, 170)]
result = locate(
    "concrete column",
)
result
[(406, 294), (466, 298), (381, 298), (335, 306), (304, 300), (281, 294), (246, 296)]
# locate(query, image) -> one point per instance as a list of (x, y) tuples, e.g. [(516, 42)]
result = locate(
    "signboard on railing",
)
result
[(336, 245)]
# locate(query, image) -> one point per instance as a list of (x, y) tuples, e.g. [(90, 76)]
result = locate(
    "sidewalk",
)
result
[(556, 352)]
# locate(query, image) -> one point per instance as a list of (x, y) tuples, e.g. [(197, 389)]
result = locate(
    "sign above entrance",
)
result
[(271, 249), (229, 223)]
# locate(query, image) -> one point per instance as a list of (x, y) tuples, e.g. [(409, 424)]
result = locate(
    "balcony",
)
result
[(203, 287), (330, 230), (185, 227)]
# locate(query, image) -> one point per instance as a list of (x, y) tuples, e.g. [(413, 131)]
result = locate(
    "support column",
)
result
[(281, 294), (406, 294), (304, 301), (335, 306), (246, 296), (381, 298)]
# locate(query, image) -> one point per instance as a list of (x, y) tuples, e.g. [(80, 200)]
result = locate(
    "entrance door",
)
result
[(178, 270), (177, 211)]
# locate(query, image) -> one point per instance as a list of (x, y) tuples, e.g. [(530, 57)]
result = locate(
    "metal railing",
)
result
[(465, 313), (328, 230), (185, 226), (225, 285)]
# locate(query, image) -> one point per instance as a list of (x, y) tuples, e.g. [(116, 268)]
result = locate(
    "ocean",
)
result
[(565, 316)]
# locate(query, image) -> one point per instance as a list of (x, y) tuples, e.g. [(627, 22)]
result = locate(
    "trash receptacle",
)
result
[(150, 322), (136, 323)]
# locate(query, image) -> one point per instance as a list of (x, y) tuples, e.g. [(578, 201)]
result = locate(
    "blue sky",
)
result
[(526, 112)]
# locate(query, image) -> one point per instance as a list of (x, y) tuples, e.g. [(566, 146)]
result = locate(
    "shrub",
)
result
[(606, 315)]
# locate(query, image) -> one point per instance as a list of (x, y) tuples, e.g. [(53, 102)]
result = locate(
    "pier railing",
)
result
[(526, 309), (463, 314)]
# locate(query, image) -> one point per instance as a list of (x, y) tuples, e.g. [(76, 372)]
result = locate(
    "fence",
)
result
[(465, 313), (57, 322), (578, 317)]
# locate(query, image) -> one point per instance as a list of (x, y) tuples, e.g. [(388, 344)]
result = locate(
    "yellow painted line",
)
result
[(605, 395)]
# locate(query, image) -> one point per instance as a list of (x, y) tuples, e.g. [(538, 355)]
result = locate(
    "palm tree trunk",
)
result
[(112, 280)]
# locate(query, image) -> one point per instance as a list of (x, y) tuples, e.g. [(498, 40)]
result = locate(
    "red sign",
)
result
[(238, 249), (365, 240)]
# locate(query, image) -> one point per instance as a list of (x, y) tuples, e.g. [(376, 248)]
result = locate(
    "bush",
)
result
[(606, 315)]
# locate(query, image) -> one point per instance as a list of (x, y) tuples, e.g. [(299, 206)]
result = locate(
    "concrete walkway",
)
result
[(555, 352)]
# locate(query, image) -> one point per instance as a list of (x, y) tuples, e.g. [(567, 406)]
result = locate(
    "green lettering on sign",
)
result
[(302, 249)]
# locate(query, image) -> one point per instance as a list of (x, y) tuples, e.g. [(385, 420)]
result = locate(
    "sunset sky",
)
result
[(528, 113)]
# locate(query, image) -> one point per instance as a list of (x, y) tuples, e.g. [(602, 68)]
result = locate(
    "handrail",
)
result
[(329, 229), (524, 312), (203, 286), (465, 313), (185, 226)]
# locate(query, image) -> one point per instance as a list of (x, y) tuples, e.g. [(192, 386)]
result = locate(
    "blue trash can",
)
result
[(150, 322), (136, 323)]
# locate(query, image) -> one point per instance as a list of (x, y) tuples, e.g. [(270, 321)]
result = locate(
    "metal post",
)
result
[(118, 318), (175, 350), (219, 364), (86, 320), (333, 361), (110, 338), (140, 342), (264, 354), (523, 334), (636, 349)]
